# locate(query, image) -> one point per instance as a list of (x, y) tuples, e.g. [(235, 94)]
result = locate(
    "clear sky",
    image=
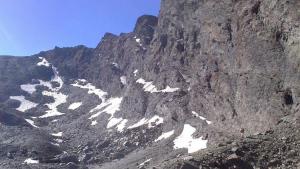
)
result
[(30, 26)]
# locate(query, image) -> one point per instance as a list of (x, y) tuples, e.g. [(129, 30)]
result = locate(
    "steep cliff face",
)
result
[(200, 73)]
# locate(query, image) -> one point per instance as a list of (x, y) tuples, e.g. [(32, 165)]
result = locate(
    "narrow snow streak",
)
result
[(31, 122), (143, 163), (59, 134), (149, 87), (154, 121), (200, 117), (186, 140), (75, 105), (109, 106), (25, 104), (91, 88), (121, 126), (31, 161), (136, 71), (164, 136)]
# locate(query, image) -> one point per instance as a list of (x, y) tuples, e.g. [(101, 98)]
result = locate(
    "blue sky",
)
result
[(30, 26)]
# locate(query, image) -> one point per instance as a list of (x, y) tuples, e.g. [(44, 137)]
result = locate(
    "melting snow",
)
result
[(123, 80), (165, 136), (113, 121), (109, 106), (135, 72), (29, 88), (202, 118), (75, 106), (143, 121), (149, 87), (44, 62), (168, 89), (59, 134), (155, 119), (186, 140), (31, 122), (25, 104), (59, 99), (121, 126), (94, 123), (143, 163), (31, 161), (91, 89)]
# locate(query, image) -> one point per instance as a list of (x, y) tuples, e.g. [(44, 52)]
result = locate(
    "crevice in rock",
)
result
[(288, 97), (255, 8)]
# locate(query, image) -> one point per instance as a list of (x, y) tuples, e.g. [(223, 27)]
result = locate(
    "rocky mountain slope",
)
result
[(206, 84)]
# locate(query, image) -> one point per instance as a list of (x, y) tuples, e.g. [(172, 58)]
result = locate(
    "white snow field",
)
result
[(25, 104), (186, 140)]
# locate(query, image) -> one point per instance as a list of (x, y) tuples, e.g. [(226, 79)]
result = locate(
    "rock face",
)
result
[(201, 74)]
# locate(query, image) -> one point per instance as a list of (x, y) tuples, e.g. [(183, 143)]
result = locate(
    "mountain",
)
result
[(206, 84)]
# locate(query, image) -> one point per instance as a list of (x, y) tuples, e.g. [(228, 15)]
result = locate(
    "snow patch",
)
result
[(149, 87), (59, 99), (31, 122), (113, 121), (44, 62), (31, 161), (168, 89), (142, 122), (75, 105), (186, 140), (29, 88), (94, 123), (59, 134), (135, 72), (123, 80), (115, 64), (25, 104), (200, 117), (110, 106), (121, 126), (91, 88), (154, 121), (164, 136)]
